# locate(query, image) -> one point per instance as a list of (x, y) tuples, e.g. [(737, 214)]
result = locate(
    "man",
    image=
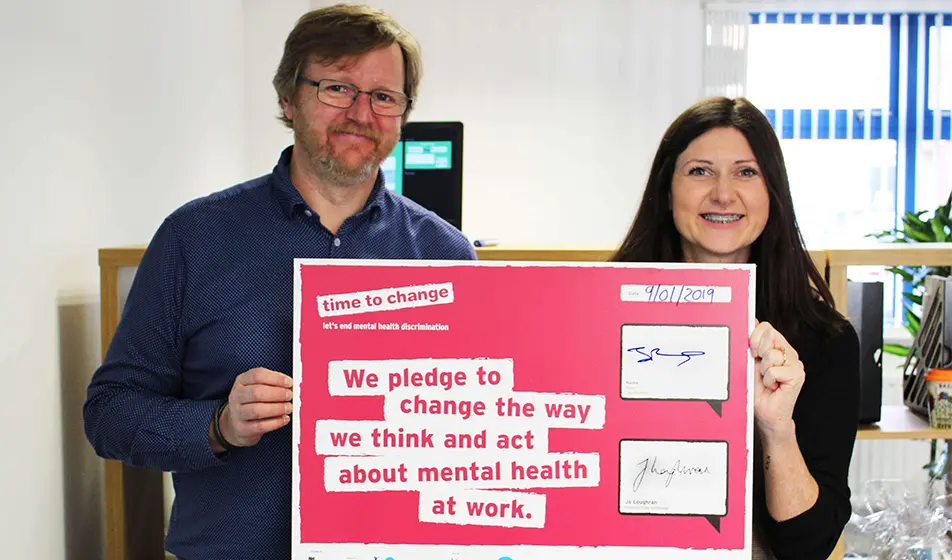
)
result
[(195, 380)]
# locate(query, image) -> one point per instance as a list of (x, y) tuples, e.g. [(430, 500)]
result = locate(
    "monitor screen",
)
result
[(392, 168), (428, 155), (426, 166)]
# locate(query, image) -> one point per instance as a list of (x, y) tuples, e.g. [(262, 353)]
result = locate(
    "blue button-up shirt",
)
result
[(212, 298)]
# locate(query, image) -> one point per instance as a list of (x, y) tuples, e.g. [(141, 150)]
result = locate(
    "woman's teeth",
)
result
[(722, 218)]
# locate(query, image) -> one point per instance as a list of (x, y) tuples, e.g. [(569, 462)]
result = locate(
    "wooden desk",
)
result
[(133, 497), (898, 422)]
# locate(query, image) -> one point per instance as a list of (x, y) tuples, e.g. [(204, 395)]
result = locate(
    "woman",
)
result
[(718, 193)]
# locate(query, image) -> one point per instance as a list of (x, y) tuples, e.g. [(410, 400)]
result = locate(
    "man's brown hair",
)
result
[(329, 34)]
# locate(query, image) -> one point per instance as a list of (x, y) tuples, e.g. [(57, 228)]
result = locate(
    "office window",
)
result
[(860, 102), (934, 158)]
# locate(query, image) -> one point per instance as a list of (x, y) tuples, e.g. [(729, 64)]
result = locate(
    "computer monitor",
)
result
[(392, 169), (426, 166)]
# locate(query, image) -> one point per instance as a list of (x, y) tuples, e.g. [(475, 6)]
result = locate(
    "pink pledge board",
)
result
[(517, 411)]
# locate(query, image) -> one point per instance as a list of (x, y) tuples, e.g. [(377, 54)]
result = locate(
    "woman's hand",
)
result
[(777, 382)]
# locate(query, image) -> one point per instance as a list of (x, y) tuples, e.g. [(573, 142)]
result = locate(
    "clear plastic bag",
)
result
[(894, 522)]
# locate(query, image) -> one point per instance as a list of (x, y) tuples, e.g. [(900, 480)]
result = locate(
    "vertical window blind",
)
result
[(862, 76)]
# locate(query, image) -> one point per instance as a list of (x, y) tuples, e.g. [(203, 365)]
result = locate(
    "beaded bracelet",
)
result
[(216, 427)]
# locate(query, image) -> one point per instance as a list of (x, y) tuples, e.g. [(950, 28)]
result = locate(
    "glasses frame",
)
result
[(358, 92)]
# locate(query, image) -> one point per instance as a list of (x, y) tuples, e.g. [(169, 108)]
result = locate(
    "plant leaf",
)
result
[(946, 219), (920, 236), (896, 349), (919, 275), (915, 299), (912, 320), (909, 219), (891, 233), (912, 331), (901, 272), (915, 224), (938, 230)]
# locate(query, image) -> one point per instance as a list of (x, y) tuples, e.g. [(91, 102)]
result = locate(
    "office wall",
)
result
[(563, 102), (113, 113)]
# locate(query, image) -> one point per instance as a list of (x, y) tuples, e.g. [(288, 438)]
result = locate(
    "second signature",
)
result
[(650, 465)]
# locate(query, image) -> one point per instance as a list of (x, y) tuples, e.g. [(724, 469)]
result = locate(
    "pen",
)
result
[(485, 242)]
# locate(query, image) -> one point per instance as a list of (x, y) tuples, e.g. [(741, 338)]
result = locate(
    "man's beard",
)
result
[(332, 169)]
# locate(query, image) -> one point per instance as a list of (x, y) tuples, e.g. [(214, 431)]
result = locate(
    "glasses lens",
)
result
[(388, 103), (337, 94), (383, 102)]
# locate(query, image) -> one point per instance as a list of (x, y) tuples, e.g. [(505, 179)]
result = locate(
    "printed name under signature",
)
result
[(650, 355)]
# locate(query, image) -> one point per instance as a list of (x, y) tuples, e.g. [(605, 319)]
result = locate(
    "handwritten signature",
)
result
[(650, 355), (654, 469)]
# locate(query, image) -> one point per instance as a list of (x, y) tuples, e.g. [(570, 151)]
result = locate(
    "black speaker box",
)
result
[(864, 308)]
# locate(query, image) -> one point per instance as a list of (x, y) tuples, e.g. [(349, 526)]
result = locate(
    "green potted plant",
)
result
[(920, 228), (917, 228)]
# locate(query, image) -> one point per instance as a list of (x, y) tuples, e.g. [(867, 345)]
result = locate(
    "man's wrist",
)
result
[(219, 444)]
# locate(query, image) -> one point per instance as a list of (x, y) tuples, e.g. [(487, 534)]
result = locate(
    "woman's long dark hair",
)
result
[(785, 270)]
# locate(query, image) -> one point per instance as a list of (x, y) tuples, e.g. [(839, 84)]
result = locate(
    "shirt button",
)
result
[(308, 213), (336, 242)]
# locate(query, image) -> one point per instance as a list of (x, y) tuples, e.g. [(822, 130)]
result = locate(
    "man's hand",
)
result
[(259, 402)]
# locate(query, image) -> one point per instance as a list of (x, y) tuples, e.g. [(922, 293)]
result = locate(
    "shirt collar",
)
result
[(291, 200)]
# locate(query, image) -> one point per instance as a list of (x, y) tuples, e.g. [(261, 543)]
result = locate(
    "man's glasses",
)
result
[(342, 95)]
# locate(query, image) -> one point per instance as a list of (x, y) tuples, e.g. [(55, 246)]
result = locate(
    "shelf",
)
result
[(898, 422), (121, 256), (914, 254), (572, 253), (568, 253)]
